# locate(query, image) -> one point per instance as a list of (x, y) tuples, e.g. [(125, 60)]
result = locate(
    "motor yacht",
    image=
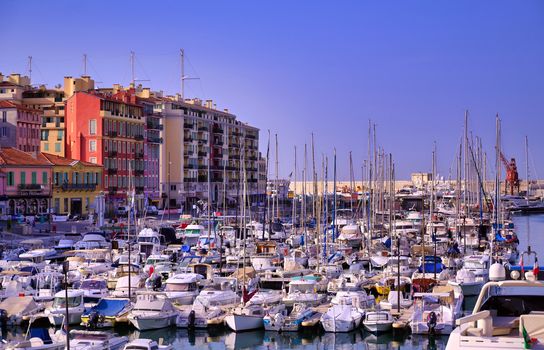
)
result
[(57, 312), (152, 312)]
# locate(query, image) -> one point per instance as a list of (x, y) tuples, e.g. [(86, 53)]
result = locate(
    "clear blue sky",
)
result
[(297, 67)]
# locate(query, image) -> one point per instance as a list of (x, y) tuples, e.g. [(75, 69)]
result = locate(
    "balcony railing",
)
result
[(112, 171), (112, 189), (155, 126), (202, 154), (189, 179), (187, 139), (111, 133), (139, 189), (139, 172), (112, 154), (252, 137), (139, 137), (30, 187), (78, 187), (217, 130), (139, 155), (154, 139), (190, 166), (202, 179), (203, 128), (188, 125)]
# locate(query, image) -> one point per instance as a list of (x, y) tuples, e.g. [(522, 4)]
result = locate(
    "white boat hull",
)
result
[(379, 327), (153, 322), (239, 323), (57, 318)]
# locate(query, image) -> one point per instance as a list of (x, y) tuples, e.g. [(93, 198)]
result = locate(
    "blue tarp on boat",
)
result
[(108, 307)]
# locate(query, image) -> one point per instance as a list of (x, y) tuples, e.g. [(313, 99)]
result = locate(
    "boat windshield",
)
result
[(377, 317), (180, 287), (72, 302), (153, 240), (192, 231), (93, 284), (514, 305), (473, 265)]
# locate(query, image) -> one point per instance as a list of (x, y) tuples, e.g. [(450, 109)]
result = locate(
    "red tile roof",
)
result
[(58, 160), (13, 156), (7, 104)]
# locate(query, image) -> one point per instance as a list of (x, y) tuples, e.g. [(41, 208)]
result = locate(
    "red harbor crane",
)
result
[(512, 178)]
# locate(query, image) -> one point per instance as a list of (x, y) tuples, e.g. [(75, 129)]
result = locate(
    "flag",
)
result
[(522, 267), (527, 340), (247, 296), (536, 269)]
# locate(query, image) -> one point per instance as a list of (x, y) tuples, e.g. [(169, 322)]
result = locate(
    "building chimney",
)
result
[(226, 110), (209, 104)]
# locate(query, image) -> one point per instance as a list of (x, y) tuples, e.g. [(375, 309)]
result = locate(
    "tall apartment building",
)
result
[(108, 129), (199, 139)]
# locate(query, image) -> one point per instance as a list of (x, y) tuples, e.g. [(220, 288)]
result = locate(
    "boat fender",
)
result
[(431, 322), (191, 319)]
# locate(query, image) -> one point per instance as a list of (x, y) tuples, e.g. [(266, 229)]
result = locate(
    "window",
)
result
[(34, 178), (57, 205), (92, 127), (46, 147), (11, 178), (23, 178), (92, 146), (44, 178), (57, 146), (60, 135), (4, 116), (92, 160), (66, 208)]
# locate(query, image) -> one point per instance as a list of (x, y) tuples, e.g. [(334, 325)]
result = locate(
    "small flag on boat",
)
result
[(536, 269), (527, 340)]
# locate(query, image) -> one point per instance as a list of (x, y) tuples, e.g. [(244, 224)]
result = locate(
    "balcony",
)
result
[(217, 130), (34, 188), (202, 154), (112, 171), (190, 166), (203, 128), (139, 189), (202, 178), (112, 154), (189, 179), (218, 143), (111, 133), (139, 172), (139, 155), (139, 137), (234, 145), (187, 139), (188, 153), (236, 133), (151, 139), (78, 187), (154, 126), (112, 189), (251, 137), (188, 125)]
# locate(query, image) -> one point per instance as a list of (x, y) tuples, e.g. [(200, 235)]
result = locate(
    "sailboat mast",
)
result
[(527, 194), (294, 219)]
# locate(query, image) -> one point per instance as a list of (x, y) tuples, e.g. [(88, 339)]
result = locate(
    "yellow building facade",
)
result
[(75, 185)]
